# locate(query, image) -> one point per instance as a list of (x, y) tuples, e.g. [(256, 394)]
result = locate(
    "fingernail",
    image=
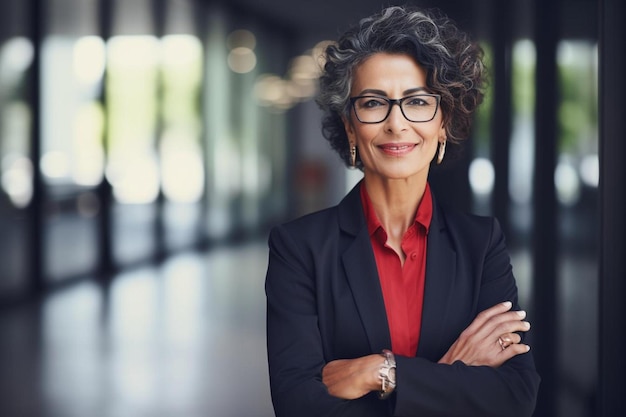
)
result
[(507, 304), (521, 313), (527, 324)]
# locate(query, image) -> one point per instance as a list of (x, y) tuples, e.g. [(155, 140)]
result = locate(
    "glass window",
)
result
[(72, 152), (481, 170), (16, 167), (223, 161), (181, 154), (133, 167), (72, 121), (16, 55), (180, 141), (576, 182)]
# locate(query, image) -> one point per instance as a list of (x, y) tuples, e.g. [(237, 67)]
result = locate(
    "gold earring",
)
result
[(353, 155), (442, 152)]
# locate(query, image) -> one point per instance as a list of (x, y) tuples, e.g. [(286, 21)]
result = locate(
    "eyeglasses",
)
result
[(375, 109)]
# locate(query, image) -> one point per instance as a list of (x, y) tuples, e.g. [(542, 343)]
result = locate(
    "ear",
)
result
[(443, 136), (349, 127)]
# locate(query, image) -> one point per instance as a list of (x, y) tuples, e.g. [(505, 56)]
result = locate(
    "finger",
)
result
[(507, 322), (506, 340), (488, 314), (509, 327), (509, 339), (503, 345), (513, 350), (499, 324)]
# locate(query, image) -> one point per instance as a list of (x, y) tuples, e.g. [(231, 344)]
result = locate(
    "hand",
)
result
[(490, 339), (350, 379)]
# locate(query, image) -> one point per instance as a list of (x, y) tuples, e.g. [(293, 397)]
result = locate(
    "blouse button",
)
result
[(413, 255)]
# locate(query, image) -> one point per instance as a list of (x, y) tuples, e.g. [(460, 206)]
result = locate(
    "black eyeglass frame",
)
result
[(393, 101)]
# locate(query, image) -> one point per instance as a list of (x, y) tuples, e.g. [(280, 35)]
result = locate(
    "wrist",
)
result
[(387, 374)]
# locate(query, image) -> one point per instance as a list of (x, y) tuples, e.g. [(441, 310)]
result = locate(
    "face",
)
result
[(395, 148)]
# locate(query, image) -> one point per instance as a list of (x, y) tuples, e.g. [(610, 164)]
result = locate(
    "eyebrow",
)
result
[(384, 94)]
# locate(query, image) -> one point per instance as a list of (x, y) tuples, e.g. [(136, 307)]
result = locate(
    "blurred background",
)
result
[(147, 146)]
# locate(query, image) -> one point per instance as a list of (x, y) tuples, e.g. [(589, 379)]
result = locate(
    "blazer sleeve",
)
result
[(294, 342), (428, 388)]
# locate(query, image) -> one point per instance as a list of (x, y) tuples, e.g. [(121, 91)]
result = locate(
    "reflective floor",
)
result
[(186, 338)]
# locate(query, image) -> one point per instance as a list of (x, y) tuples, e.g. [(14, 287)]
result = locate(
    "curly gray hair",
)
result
[(452, 61)]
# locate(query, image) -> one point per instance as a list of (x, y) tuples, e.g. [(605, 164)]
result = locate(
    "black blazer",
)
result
[(324, 302)]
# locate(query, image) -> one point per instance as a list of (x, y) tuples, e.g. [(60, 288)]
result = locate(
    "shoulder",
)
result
[(307, 241), (468, 222), (467, 229), (310, 224), (306, 234), (451, 216), (480, 246), (328, 224)]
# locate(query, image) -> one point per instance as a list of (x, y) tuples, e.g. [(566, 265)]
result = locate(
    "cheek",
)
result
[(363, 134), (432, 134)]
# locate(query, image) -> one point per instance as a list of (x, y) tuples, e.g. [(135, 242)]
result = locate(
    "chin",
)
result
[(400, 174)]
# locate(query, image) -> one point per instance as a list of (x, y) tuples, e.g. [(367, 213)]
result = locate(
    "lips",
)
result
[(397, 149)]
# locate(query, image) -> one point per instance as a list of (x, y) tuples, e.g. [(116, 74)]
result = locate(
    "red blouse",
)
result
[(402, 285)]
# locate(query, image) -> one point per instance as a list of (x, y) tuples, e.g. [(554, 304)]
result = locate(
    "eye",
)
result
[(371, 102), (419, 101)]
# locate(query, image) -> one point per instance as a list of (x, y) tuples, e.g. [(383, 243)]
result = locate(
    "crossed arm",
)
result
[(490, 340)]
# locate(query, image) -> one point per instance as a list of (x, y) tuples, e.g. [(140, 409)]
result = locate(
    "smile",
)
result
[(397, 149)]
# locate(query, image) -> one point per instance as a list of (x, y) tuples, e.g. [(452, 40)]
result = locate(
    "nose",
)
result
[(395, 120)]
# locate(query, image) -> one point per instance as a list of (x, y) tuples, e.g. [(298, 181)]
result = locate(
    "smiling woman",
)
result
[(388, 143), (389, 303)]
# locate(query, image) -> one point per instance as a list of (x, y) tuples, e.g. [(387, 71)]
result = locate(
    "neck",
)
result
[(395, 201)]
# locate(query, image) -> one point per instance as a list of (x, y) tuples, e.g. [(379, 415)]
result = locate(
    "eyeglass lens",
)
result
[(373, 109)]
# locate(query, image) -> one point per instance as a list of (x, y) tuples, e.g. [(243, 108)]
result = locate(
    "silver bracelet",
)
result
[(387, 374)]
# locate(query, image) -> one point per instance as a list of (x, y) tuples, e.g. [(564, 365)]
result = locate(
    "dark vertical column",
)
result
[(36, 208), (450, 180), (201, 22), (612, 401), (545, 239), (159, 14), (502, 110), (105, 191)]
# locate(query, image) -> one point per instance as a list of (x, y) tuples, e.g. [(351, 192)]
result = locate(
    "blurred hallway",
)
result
[(186, 338), (140, 138)]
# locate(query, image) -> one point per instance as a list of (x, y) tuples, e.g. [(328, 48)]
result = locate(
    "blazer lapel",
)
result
[(362, 275), (440, 276), (361, 271)]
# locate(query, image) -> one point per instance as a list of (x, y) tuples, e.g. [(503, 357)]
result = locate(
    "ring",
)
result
[(501, 343)]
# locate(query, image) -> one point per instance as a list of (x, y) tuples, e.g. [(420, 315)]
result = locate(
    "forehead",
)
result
[(388, 72)]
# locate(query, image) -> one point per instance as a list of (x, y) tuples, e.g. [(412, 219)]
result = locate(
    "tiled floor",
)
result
[(186, 338)]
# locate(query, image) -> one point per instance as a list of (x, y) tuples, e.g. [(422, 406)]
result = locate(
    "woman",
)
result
[(388, 304)]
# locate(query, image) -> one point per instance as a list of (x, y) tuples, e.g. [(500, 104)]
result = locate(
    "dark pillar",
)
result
[(545, 239), (612, 398), (36, 208), (201, 25), (502, 110), (105, 191), (159, 13)]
